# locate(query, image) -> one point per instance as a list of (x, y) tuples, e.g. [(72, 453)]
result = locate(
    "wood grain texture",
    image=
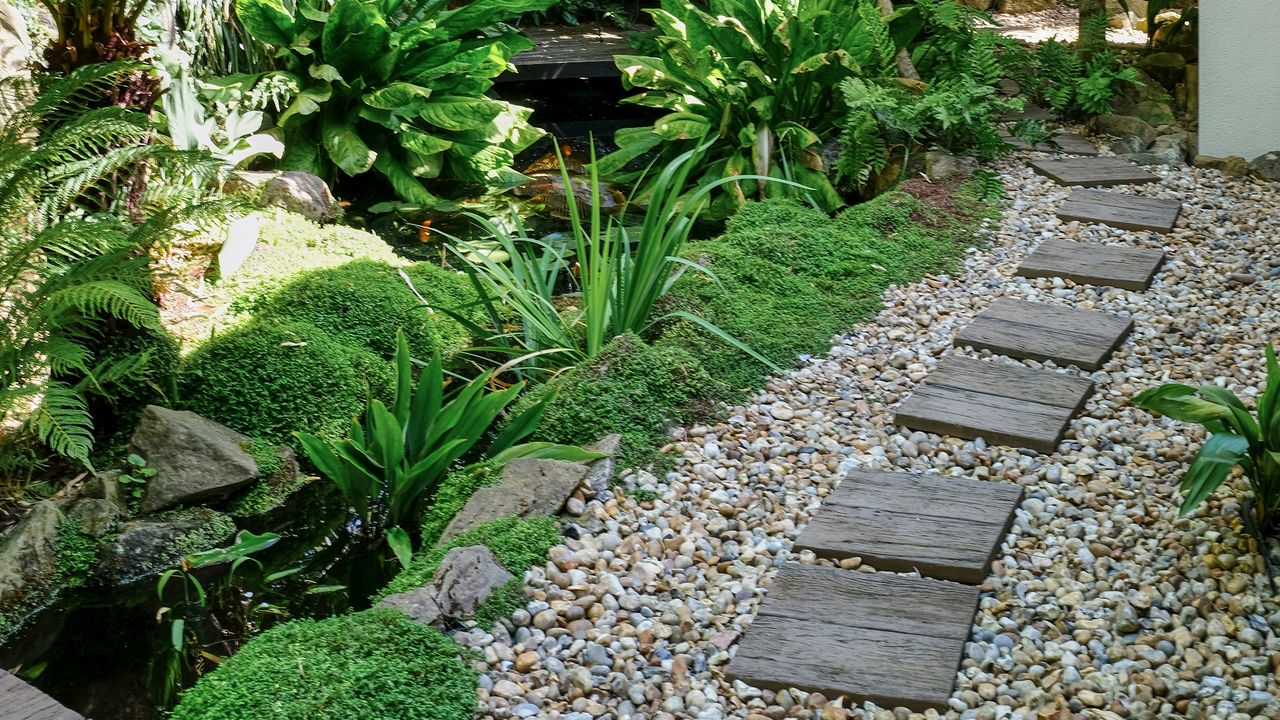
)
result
[(1092, 171), (1039, 331), (959, 499), (1127, 212), (946, 548), (872, 600), (1009, 380), (890, 669), (1115, 266), (575, 51), (1000, 420), (1064, 143), (20, 701)]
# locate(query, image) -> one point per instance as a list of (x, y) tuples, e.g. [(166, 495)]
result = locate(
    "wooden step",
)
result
[(1065, 143), (1089, 263), (893, 640), (1092, 171), (20, 701), (947, 528), (1038, 331), (1127, 212), (1001, 411)]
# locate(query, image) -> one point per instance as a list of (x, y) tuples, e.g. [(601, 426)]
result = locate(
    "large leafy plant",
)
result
[(72, 261), (623, 271), (393, 459), (1237, 438), (758, 76), (398, 88)]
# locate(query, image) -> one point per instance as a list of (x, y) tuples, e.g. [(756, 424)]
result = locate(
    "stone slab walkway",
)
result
[(1093, 172), (1127, 212), (20, 701), (1039, 331), (1093, 264)]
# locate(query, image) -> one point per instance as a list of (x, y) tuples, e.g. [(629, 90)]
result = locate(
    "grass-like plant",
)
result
[(1237, 439), (392, 460), (623, 271)]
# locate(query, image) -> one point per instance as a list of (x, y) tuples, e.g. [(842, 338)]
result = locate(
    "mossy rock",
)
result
[(372, 664), (363, 303), (268, 380), (631, 388)]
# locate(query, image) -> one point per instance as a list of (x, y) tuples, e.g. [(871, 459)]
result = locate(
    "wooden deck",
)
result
[(20, 701), (1126, 212), (1003, 403), (576, 51), (1093, 171), (944, 527), (1089, 263), (1038, 331), (848, 634)]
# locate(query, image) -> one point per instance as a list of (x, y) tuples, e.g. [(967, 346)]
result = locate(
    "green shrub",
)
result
[(790, 277), (267, 380), (631, 388), (517, 543), (373, 664), (363, 303)]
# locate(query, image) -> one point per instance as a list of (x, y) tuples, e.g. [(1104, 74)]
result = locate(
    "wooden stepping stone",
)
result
[(1067, 143), (1117, 266), (1127, 212), (1037, 331), (1002, 402), (1092, 171), (893, 640), (20, 701), (947, 528)]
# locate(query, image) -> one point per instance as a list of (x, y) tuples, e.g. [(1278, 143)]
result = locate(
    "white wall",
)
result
[(1239, 77)]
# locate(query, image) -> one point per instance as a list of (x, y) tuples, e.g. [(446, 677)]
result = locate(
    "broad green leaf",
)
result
[(401, 545), (460, 113), (1219, 454), (681, 126), (545, 451), (324, 72), (403, 97), (305, 103), (177, 634), (266, 20), (345, 147), (356, 38)]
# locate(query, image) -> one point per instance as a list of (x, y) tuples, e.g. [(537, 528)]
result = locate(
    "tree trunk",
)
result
[(1093, 27), (906, 68)]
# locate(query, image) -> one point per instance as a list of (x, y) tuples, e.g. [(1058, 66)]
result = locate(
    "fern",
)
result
[(70, 258)]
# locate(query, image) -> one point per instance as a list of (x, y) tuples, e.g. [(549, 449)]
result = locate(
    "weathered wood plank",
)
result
[(1013, 381), (1000, 420), (570, 52), (1066, 143), (1092, 171), (953, 548), (957, 499), (1116, 266), (891, 669), (1038, 331), (872, 600), (1127, 212), (20, 701)]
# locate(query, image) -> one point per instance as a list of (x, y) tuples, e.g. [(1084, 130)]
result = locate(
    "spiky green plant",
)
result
[(70, 259)]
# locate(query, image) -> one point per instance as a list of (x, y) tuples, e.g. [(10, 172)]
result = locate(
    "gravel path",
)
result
[(1105, 603)]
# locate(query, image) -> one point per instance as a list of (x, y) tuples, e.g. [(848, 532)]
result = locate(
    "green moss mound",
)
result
[(267, 380), (516, 542), (363, 303), (789, 277), (631, 388), (373, 664)]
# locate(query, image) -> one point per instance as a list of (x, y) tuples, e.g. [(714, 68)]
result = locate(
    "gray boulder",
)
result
[(1024, 6), (1126, 126), (28, 560), (150, 545), (1152, 157), (528, 487), (1266, 167), (1233, 166), (1167, 68), (95, 516), (600, 472), (945, 166), (466, 577), (302, 193), (1174, 145), (194, 458)]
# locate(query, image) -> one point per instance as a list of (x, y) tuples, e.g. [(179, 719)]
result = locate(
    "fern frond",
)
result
[(62, 422)]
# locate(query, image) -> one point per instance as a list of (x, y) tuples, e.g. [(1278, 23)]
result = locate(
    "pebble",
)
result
[(1106, 601)]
